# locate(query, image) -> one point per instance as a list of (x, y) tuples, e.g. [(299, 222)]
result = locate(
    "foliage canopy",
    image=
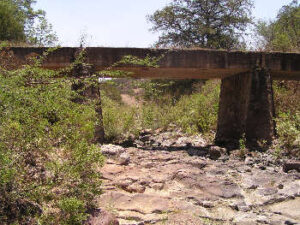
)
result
[(202, 23), (282, 34), (19, 22), (11, 22)]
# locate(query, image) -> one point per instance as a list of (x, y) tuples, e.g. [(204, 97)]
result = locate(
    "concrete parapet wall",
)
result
[(180, 64)]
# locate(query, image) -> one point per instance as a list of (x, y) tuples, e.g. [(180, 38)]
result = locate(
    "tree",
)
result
[(42, 34), (20, 22), (11, 22), (282, 34), (202, 23)]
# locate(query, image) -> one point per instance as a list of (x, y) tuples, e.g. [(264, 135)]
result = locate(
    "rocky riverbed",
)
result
[(186, 182)]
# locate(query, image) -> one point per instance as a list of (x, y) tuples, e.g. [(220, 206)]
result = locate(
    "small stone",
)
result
[(198, 163), (146, 132), (248, 170), (137, 188), (280, 186), (124, 159), (197, 152), (292, 171), (252, 187), (291, 165), (148, 165), (249, 161), (262, 167), (145, 138), (289, 222), (101, 217), (207, 204), (262, 219), (157, 186), (112, 150), (167, 143), (267, 191), (224, 158), (138, 143), (144, 182), (244, 208), (124, 183), (240, 206), (215, 152)]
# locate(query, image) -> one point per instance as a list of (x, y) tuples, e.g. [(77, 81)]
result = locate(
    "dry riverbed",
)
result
[(179, 186)]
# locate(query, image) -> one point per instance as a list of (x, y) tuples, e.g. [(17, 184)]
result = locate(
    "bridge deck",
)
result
[(179, 64)]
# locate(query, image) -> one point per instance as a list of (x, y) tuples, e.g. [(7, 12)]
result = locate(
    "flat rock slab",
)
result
[(173, 187), (290, 209), (141, 203)]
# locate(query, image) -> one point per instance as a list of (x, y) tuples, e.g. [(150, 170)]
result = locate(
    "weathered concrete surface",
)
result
[(260, 124), (233, 108), (180, 64), (246, 108)]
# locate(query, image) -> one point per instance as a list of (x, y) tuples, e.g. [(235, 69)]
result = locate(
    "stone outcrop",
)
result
[(175, 187)]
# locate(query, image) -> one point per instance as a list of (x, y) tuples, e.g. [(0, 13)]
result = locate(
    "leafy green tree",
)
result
[(22, 23), (282, 34), (11, 22), (202, 23), (42, 34)]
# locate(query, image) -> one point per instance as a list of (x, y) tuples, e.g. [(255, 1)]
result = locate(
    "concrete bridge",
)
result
[(246, 99)]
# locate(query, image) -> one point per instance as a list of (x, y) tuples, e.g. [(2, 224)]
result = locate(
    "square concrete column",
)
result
[(246, 108), (260, 124), (233, 107)]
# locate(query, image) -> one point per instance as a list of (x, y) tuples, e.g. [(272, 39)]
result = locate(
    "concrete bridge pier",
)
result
[(246, 110)]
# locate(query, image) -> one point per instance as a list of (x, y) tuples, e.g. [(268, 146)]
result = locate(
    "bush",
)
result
[(192, 113), (73, 211), (119, 120), (288, 129), (198, 112), (287, 98), (47, 159)]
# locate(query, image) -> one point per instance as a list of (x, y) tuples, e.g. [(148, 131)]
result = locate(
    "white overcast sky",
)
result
[(118, 23)]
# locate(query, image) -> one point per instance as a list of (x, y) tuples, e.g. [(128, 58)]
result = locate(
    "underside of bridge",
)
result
[(246, 100)]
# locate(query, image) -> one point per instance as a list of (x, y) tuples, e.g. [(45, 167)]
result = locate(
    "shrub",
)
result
[(47, 159), (119, 120), (192, 113), (288, 128), (198, 112), (287, 98), (73, 211)]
